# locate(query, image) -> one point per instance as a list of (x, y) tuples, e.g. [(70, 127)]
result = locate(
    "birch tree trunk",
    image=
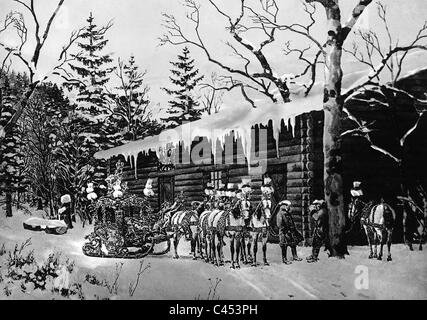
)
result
[(332, 107)]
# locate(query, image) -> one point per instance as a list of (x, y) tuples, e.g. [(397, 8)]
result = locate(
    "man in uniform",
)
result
[(354, 231), (321, 227), (288, 234)]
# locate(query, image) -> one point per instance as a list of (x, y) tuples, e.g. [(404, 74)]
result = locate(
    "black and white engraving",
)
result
[(211, 149)]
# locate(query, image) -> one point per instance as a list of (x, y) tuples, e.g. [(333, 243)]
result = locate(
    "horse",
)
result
[(229, 222), (377, 221), (245, 253), (259, 224), (184, 222), (204, 235)]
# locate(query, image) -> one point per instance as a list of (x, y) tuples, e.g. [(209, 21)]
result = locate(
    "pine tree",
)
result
[(11, 157), (132, 117), (93, 73), (184, 106)]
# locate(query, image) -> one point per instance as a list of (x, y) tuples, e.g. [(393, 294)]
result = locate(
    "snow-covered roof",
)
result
[(240, 118)]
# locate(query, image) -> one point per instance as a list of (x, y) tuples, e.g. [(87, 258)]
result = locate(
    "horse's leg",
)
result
[(176, 238), (213, 248), (219, 261), (382, 239), (368, 236), (255, 248), (389, 237), (199, 245), (243, 250), (375, 235), (232, 251), (238, 243), (194, 237), (221, 251), (249, 245), (264, 249), (206, 241)]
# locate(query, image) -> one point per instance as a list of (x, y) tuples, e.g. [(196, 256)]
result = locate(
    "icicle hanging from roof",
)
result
[(216, 127)]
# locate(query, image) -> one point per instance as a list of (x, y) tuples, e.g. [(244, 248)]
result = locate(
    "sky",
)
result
[(138, 25)]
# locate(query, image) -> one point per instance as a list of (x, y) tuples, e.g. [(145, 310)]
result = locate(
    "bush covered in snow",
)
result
[(55, 277)]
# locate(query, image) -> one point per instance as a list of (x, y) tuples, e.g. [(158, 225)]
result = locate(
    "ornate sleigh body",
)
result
[(124, 225)]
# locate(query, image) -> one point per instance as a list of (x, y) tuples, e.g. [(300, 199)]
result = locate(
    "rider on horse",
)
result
[(355, 209)]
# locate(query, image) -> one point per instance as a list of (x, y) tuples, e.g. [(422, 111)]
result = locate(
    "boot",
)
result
[(314, 256), (294, 254), (284, 259)]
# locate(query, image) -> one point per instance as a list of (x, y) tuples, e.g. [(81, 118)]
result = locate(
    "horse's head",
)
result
[(245, 209), (167, 218), (198, 206), (265, 209), (241, 209), (355, 208), (316, 206)]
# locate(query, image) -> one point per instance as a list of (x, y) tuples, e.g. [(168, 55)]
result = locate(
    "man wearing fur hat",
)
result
[(288, 234), (357, 204), (321, 227)]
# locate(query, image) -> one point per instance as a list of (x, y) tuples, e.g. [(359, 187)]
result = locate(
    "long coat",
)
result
[(321, 227), (288, 233)]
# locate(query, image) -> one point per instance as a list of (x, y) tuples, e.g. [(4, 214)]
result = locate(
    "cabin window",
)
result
[(216, 178)]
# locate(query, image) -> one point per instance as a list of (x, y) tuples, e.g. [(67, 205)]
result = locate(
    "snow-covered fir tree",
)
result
[(132, 115), (11, 157), (184, 106), (92, 71)]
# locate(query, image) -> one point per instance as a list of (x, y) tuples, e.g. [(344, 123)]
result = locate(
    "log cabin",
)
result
[(285, 143)]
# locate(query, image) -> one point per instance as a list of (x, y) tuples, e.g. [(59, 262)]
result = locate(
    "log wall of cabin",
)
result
[(298, 154)]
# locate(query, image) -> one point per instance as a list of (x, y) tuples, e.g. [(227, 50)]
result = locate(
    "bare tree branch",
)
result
[(22, 32), (238, 26), (211, 96)]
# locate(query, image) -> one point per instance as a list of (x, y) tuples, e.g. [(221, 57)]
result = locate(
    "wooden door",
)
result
[(278, 176), (166, 189)]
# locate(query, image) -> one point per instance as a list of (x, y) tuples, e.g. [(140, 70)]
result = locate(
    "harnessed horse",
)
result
[(204, 237), (377, 221), (184, 223), (229, 222), (260, 222)]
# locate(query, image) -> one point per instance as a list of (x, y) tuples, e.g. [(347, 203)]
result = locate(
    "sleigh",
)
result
[(124, 224), (124, 228)]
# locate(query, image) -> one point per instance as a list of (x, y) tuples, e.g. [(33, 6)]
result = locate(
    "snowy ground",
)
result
[(403, 278)]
